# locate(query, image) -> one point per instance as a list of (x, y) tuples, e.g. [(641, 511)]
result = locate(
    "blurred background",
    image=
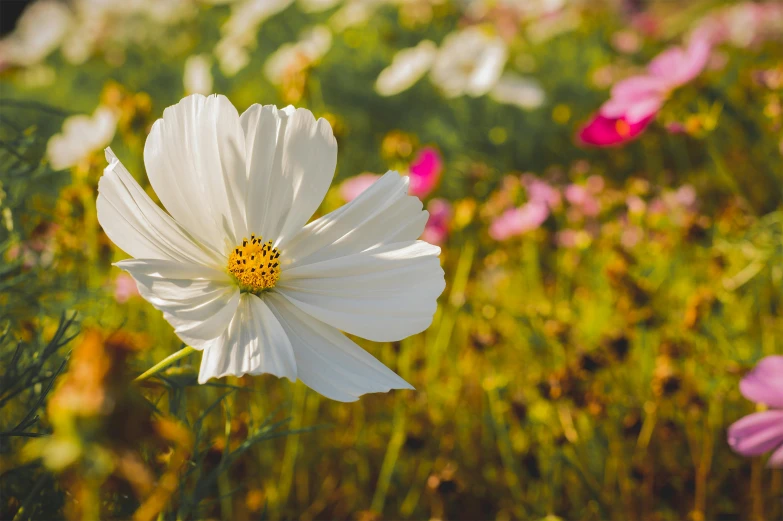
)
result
[(604, 178)]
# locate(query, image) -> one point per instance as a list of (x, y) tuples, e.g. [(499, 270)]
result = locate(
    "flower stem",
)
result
[(182, 353)]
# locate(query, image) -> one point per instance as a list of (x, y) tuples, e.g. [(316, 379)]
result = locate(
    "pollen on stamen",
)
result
[(254, 264)]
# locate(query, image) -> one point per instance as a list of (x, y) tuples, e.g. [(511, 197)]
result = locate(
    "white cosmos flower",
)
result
[(407, 67), (197, 78), (469, 61), (312, 45), (514, 89), (39, 31), (236, 269), (81, 135)]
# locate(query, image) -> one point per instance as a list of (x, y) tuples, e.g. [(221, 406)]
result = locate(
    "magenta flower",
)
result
[(762, 432), (352, 188), (436, 231), (425, 172), (517, 221), (635, 101), (605, 132)]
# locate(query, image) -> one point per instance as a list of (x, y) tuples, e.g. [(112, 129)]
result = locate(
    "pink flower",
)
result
[(125, 288), (351, 188), (517, 221), (539, 191), (605, 132), (436, 231), (635, 101), (583, 199), (762, 432), (425, 172)]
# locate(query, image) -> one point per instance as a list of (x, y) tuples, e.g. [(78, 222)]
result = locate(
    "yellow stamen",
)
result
[(255, 264)]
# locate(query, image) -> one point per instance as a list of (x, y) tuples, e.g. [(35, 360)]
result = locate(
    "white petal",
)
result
[(327, 361), (382, 214), (138, 226), (198, 301), (254, 343), (383, 294), (195, 158), (291, 159), (407, 67), (525, 93)]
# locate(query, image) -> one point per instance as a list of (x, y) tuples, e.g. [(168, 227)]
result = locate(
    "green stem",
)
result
[(155, 369)]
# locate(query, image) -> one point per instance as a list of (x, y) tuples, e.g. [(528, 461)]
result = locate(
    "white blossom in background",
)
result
[(312, 45), (240, 31), (81, 135), (316, 6), (407, 67), (198, 74), (470, 61), (236, 269), (517, 90), (39, 31)]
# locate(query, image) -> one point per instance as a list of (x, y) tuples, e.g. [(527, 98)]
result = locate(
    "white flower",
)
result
[(198, 76), (516, 90), (237, 270), (312, 45), (39, 31), (241, 30), (81, 135), (407, 67), (470, 61)]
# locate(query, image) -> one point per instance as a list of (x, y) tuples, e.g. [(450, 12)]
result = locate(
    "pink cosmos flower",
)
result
[(425, 172), (541, 192), (635, 101), (352, 188), (606, 132), (762, 432), (436, 231), (583, 199), (125, 288), (517, 221)]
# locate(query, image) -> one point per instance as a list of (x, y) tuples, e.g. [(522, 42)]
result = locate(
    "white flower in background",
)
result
[(38, 32), (517, 90), (316, 6), (470, 61), (312, 45), (198, 74), (241, 30), (236, 269), (407, 67), (81, 136)]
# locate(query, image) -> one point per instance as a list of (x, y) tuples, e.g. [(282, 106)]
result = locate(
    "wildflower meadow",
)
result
[(391, 259)]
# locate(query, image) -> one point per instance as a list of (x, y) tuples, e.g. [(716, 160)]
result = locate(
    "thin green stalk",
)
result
[(155, 369)]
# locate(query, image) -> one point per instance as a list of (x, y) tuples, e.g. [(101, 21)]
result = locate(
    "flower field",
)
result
[(225, 307)]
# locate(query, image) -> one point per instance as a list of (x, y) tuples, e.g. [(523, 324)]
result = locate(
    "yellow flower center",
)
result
[(255, 264)]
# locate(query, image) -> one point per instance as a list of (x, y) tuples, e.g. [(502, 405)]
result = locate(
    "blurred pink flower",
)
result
[(583, 199), (605, 132), (125, 288), (539, 191), (517, 221), (425, 172), (635, 204), (595, 184), (351, 188), (436, 231), (762, 432), (635, 101), (631, 236)]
